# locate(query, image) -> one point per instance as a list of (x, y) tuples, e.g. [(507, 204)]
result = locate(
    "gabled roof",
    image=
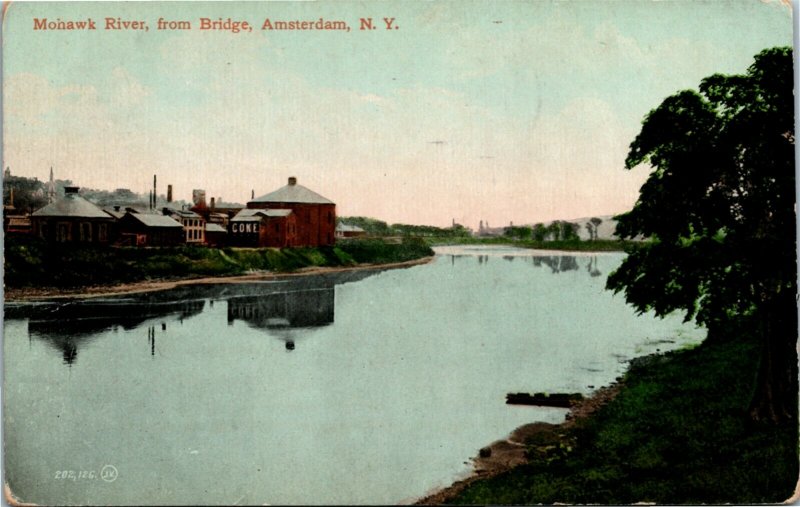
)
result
[(214, 228), (153, 220), (254, 215), (71, 205), (293, 193), (182, 213)]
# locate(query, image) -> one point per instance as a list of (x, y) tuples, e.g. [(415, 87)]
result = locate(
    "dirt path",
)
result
[(51, 293), (503, 455)]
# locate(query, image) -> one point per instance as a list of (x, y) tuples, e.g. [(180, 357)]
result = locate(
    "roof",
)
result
[(214, 228), (349, 228), (182, 213), (115, 214), (153, 220), (254, 215), (71, 205), (293, 193)]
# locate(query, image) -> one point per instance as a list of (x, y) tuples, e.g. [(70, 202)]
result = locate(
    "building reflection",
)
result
[(70, 327), (286, 308), (286, 315)]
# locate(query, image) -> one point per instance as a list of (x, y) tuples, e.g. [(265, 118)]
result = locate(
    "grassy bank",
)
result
[(600, 245), (32, 263), (677, 433)]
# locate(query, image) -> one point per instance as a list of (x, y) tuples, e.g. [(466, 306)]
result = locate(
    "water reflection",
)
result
[(69, 327), (286, 309), (285, 315), (556, 263)]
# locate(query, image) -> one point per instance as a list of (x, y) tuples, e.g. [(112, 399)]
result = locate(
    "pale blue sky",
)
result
[(502, 111)]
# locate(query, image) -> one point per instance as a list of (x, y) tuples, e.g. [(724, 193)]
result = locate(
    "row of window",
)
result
[(64, 232), (194, 235)]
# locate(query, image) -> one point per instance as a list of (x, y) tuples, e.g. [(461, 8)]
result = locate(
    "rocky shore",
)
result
[(534, 441)]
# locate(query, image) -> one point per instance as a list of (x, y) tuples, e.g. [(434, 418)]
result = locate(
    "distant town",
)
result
[(291, 216)]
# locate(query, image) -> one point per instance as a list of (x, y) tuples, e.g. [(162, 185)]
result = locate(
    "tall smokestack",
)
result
[(252, 194), (169, 193), (155, 194)]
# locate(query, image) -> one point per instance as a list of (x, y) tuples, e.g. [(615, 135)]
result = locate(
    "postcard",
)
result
[(360, 252)]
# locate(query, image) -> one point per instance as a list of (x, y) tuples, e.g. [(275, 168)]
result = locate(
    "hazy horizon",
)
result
[(470, 111)]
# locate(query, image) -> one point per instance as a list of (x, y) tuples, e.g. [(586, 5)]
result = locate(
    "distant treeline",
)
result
[(374, 227), (558, 230)]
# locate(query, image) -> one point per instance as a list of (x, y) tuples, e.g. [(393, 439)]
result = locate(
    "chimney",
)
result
[(213, 203), (116, 208), (292, 181), (169, 193), (252, 194), (71, 190)]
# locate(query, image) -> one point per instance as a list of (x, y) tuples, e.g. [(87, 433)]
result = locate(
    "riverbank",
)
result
[(53, 293), (514, 450), (34, 269), (675, 430)]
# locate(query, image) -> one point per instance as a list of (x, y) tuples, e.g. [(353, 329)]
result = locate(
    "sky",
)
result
[(517, 111)]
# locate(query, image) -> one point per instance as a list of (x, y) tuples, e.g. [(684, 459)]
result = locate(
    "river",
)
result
[(358, 387)]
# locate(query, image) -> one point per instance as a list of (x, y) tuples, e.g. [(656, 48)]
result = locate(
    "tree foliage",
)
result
[(719, 209)]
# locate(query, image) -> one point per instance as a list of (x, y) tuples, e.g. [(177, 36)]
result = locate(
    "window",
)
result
[(63, 232), (43, 230), (85, 231), (102, 233)]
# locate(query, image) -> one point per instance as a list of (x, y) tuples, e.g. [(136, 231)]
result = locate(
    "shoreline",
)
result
[(510, 452), (40, 294)]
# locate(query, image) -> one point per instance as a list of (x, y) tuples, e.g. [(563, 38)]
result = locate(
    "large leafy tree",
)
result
[(719, 209)]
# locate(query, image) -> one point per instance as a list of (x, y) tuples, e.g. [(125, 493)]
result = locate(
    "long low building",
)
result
[(263, 228), (149, 229)]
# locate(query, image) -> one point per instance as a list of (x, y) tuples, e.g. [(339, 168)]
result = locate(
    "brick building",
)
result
[(72, 219), (315, 216)]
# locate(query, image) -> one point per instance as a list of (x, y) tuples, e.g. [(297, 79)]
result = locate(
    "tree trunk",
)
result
[(776, 395)]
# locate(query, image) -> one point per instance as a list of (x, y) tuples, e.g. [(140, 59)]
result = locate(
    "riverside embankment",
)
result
[(34, 270)]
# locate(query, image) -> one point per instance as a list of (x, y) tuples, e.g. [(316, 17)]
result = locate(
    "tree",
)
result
[(569, 231), (539, 232), (718, 208), (596, 223)]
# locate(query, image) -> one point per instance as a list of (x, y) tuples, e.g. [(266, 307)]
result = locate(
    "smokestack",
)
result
[(169, 193), (252, 194), (292, 181), (213, 203), (155, 194)]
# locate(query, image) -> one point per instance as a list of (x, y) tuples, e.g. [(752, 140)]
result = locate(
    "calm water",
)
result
[(367, 387)]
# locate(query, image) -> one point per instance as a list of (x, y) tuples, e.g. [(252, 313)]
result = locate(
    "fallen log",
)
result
[(561, 400)]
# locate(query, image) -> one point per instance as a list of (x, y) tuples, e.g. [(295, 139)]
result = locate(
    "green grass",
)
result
[(32, 263), (677, 433)]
